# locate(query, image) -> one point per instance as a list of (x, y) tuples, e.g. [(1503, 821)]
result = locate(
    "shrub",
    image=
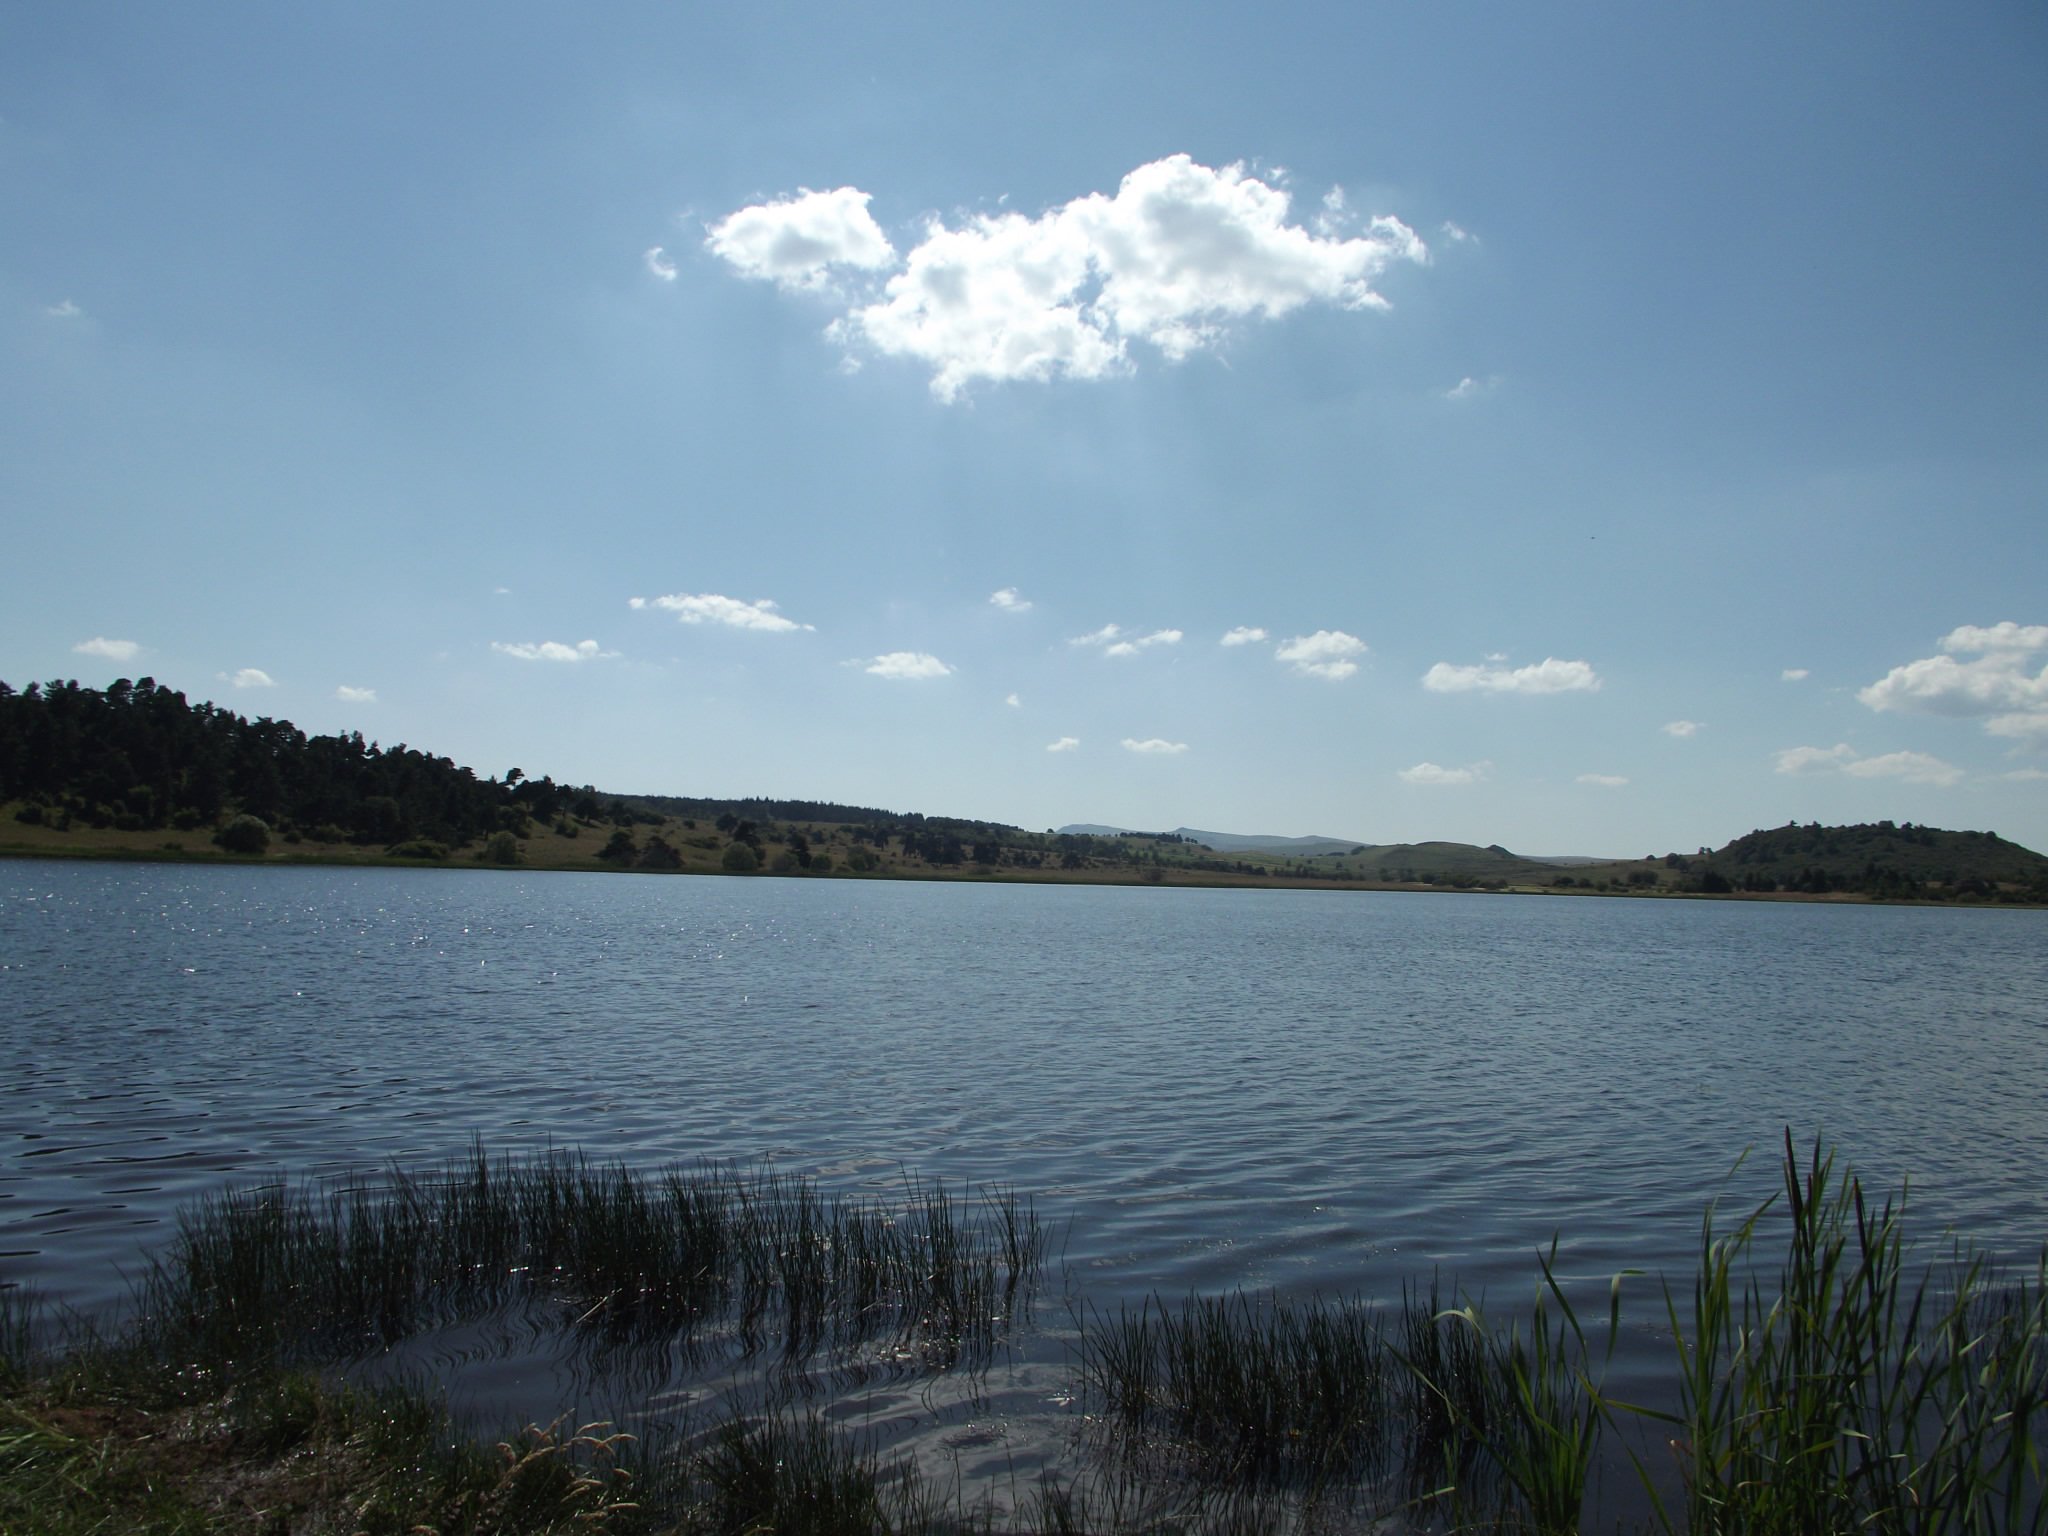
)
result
[(245, 834), (500, 848), (739, 859), (418, 848), (30, 815)]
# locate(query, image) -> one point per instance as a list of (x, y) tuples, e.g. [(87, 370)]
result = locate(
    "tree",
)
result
[(501, 848), (739, 859), (620, 849)]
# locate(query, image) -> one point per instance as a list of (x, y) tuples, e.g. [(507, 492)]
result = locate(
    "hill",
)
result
[(1227, 842), (1877, 859)]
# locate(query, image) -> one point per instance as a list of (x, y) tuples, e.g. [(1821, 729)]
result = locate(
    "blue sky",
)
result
[(1605, 429)]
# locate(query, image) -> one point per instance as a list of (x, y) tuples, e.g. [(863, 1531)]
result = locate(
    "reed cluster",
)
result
[(764, 1261)]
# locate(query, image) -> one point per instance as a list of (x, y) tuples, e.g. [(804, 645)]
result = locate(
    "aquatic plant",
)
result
[(762, 1260), (1863, 1393)]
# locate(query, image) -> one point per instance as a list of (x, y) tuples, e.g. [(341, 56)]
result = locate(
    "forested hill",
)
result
[(137, 756), (1876, 858)]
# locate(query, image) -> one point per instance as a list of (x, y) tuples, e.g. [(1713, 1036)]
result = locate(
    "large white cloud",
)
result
[(1913, 767), (798, 241), (553, 650), (1996, 684), (111, 650), (908, 666), (713, 608), (1179, 253), (1327, 654), (1546, 676)]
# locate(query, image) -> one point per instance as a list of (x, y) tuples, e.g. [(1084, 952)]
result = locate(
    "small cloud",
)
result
[(63, 309), (1009, 601), (554, 650), (658, 264), (1013, 701), (2025, 775), (1326, 654), (1467, 387), (796, 242), (908, 666), (1682, 728), (1244, 634), (1546, 676), (349, 695), (2019, 727), (110, 650), (713, 608), (1794, 675), (1913, 767), (1066, 744), (1603, 780), (1109, 637), (1455, 234), (501, 591), (1432, 773), (249, 677), (1155, 747)]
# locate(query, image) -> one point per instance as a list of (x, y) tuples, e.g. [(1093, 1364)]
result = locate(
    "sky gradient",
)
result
[(1586, 429)]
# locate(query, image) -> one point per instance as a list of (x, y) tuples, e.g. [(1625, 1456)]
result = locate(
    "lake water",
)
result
[(1307, 1091)]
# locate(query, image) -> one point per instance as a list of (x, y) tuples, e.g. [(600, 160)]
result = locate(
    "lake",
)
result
[(1314, 1092)]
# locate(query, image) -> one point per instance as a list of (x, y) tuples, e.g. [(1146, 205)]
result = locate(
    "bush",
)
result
[(30, 815), (739, 859), (245, 834), (500, 848), (659, 853), (418, 848)]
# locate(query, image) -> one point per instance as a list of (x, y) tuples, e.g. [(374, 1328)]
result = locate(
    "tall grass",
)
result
[(1864, 1392), (766, 1260)]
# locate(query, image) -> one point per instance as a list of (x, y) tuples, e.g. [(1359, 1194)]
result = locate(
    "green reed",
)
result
[(767, 1259), (1864, 1393)]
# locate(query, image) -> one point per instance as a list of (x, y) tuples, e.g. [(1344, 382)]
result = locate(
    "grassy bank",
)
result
[(1837, 1383)]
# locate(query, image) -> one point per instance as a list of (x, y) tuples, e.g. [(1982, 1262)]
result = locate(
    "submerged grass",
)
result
[(768, 1261)]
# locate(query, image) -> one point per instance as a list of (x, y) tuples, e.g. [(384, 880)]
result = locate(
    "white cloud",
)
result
[(1110, 638), (1326, 654), (909, 666), (1155, 747), (1456, 234), (1179, 253), (1137, 643), (111, 650), (350, 695), (712, 608), (798, 241), (553, 650), (1469, 386), (1997, 684), (63, 309), (1244, 634), (1066, 744), (659, 264), (1013, 701), (1432, 773), (1682, 728), (1603, 780), (1009, 601), (1546, 676), (1794, 675), (2026, 775), (1913, 767), (249, 677)]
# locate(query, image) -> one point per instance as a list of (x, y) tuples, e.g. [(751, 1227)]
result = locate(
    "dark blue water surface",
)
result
[(1309, 1091)]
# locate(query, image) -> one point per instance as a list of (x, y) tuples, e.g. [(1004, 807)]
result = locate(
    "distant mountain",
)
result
[(1231, 842)]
